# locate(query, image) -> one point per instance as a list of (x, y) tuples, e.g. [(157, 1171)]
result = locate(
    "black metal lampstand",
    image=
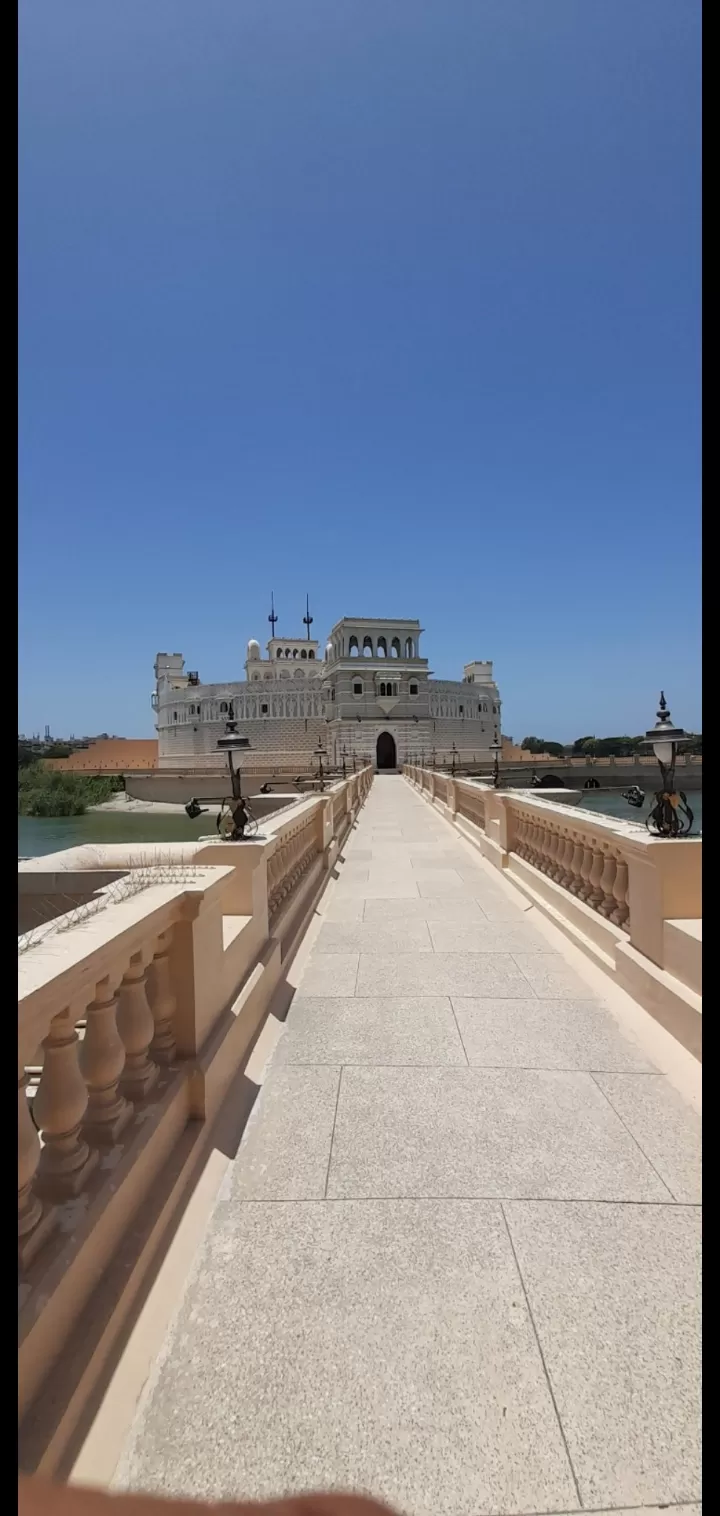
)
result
[(671, 815), (496, 749), (320, 754)]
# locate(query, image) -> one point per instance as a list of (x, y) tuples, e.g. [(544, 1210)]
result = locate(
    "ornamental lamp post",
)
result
[(671, 815), (320, 753), (496, 749), (453, 759)]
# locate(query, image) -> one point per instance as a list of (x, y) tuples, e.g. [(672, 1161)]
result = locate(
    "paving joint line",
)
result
[(660, 1205), (332, 1134), (634, 1138), (542, 1357)]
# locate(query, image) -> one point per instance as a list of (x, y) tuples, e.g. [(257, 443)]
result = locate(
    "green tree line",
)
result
[(604, 747), (45, 792)]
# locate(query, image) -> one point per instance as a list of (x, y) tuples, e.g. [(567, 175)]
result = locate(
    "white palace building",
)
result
[(370, 696)]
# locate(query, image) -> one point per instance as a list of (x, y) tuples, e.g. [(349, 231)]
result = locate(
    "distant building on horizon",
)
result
[(371, 696)]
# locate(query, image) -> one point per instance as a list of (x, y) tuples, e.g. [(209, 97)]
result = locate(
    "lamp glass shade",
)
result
[(663, 751)]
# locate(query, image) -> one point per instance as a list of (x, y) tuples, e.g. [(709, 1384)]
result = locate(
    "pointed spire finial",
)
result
[(307, 618), (272, 618)]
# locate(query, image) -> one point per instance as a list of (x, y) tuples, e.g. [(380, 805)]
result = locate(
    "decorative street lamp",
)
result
[(496, 749), (671, 815), (320, 753), (453, 757), (422, 757), (433, 756), (343, 751), (233, 817)]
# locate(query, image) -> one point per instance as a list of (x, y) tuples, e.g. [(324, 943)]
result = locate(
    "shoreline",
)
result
[(121, 805)]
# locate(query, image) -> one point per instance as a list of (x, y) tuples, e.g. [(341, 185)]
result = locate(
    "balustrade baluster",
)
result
[(607, 904), (544, 846), (620, 887), (102, 1060), (34, 1219), (551, 854), (136, 1027), (66, 1161), (595, 892), (576, 868), (585, 867), (554, 869), (162, 1002), (564, 874)]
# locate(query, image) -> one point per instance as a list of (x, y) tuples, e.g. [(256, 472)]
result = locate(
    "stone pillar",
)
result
[(66, 1161), (664, 884), (102, 1060), (136, 1028), (162, 1002), (35, 1220)]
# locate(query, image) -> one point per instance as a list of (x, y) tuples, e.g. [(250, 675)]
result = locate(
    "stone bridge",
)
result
[(454, 1258)]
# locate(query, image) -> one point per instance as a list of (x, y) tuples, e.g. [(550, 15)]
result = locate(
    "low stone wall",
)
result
[(135, 1013), (608, 884)]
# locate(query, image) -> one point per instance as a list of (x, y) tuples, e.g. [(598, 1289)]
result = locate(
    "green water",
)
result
[(38, 835), (611, 803)]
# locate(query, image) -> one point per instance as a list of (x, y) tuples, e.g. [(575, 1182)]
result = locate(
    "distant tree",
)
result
[(26, 756), (583, 745), (614, 747), (543, 745), (693, 747), (57, 750)]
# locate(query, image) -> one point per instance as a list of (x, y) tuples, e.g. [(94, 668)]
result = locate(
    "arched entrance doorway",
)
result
[(386, 753)]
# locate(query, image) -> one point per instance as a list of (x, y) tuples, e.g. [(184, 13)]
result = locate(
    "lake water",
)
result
[(611, 803), (39, 835)]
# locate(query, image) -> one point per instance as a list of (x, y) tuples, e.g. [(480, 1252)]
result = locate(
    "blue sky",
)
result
[(397, 304)]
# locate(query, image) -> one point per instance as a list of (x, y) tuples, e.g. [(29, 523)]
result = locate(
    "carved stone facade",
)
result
[(370, 696)]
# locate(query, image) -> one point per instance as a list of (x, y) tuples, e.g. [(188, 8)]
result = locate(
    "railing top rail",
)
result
[(632, 834), (66, 966)]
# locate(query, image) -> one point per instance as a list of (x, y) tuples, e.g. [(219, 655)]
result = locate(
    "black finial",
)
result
[(272, 618), (307, 618)]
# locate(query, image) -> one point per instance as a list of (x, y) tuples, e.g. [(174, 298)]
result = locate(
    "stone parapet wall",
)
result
[(136, 1012)]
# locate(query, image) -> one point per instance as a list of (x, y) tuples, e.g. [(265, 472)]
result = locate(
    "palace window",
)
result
[(461, 710), (263, 710), (311, 654), (413, 688), (357, 687), (223, 707)]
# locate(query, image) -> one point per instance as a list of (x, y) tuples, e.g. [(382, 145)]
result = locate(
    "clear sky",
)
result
[(396, 303)]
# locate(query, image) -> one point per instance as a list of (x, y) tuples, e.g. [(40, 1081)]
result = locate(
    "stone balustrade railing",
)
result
[(300, 843), (440, 786), (470, 802), (610, 885), (576, 854), (134, 1017)]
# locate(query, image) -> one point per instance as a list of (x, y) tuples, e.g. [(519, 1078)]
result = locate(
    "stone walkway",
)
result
[(456, 1263)]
